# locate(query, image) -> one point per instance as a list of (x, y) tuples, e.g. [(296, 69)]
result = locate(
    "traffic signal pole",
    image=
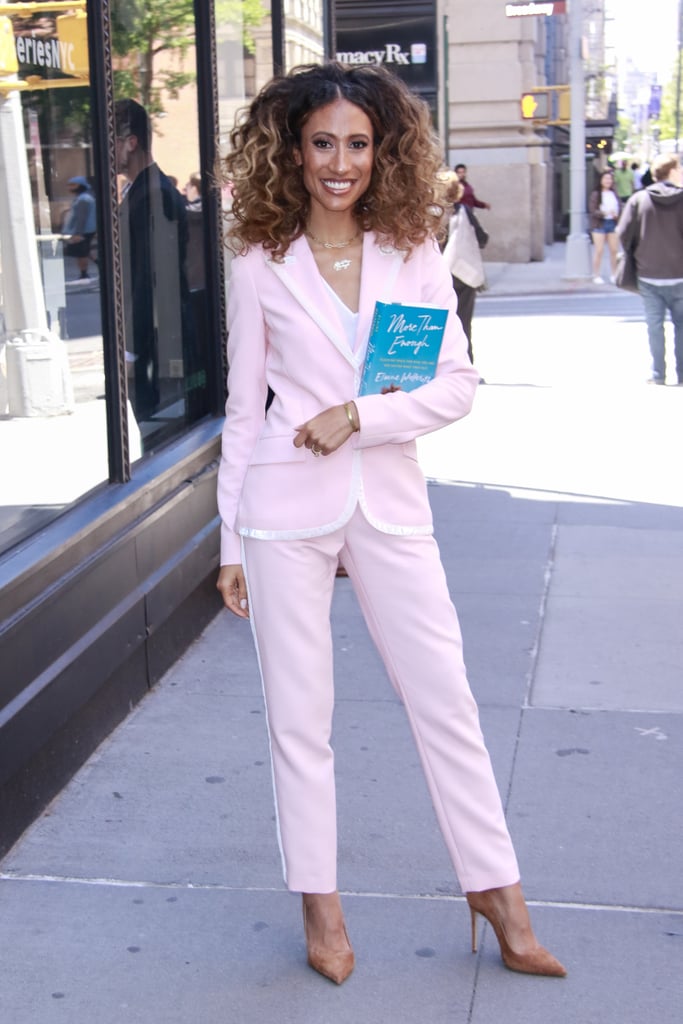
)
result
[(577, 254)]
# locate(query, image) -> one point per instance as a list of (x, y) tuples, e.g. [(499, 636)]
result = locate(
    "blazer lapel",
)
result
[(381, 266), (299, 274)]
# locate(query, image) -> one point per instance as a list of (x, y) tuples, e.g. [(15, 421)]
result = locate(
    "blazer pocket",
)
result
[(276, 449)]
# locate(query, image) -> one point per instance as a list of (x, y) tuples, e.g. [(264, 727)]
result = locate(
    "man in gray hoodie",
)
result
[(652, 220)]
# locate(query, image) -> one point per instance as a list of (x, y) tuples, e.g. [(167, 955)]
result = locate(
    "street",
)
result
[(565, 408)]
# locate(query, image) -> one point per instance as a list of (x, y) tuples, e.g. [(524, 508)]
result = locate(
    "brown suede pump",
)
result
[(535, 960), (332, 964)]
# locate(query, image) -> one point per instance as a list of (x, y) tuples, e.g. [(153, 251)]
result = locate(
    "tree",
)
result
[(667, 117), (623, 133), (140, 32), (143, 29)]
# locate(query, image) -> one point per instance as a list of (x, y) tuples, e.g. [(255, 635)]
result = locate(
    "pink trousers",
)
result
[(402, 589)]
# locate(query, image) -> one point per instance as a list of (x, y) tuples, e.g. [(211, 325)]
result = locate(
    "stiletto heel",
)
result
[(473, 919), (534, 960), (331, 964)]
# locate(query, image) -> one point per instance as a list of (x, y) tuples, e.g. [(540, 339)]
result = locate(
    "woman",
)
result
[(463, 257), (334, 204), (604, 207)]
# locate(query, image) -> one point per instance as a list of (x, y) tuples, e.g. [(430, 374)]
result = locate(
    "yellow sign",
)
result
[(66, 52), (72, 36), (38, 7), (8, 54)]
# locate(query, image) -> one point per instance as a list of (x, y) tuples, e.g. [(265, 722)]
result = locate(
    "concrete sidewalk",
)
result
[(545, 276), (150, 891)]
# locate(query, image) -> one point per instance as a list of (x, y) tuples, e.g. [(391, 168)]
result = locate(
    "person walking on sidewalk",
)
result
[(603, 207), (468, 196), (462, 252), (334, 173), (624, 183), (652, 223), (81, 225)]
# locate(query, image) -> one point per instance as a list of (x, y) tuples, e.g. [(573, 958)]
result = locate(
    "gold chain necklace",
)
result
[(333, 245)]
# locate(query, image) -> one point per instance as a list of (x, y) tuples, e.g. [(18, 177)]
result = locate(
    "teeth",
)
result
[(338, 186)]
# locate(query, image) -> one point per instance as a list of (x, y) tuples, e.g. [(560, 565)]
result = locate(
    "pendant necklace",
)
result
[(338, 264)]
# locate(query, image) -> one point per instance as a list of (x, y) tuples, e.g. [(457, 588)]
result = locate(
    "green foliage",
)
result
[(622, 133), (141, 30), (667, 117)]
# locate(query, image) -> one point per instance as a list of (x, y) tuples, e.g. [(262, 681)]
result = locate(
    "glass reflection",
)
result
[(52, 413), (161, 224), (159, 328)]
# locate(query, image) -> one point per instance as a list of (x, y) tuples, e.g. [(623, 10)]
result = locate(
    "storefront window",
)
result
[(304, 32), (52, 411), (244, 56), (161, 216), (54, 345), (53, 414)]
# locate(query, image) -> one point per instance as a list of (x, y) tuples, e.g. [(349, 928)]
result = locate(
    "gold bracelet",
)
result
[(349, 416)]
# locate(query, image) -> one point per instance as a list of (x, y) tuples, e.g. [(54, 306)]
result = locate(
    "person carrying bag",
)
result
[(466, 239)]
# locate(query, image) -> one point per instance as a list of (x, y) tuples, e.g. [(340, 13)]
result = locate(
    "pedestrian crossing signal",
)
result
[(535, 106)]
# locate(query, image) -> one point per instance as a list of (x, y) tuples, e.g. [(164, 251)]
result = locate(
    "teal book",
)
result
[(403, 347)]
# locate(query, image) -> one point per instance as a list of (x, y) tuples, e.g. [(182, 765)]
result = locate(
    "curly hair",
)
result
[(269, 201)]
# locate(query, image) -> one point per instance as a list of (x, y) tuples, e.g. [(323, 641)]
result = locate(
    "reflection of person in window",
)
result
[(154, 248), (80, 224), (195, 227)]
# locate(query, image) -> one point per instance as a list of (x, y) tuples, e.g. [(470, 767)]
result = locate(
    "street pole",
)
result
[(577, 254), (22, 284)]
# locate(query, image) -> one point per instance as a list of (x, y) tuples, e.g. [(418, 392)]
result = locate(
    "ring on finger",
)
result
[(315, 450)]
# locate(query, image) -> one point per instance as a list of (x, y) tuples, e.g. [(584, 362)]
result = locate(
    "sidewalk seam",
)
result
[(542, 609), (117, 883)]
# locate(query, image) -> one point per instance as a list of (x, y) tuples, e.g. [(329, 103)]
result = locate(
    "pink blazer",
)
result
[(285, 331)]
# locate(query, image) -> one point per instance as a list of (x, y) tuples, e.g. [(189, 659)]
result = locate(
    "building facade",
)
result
[(518, 166), (492, 60)]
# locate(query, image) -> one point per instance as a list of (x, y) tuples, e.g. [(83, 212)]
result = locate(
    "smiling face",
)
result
[(336, 154)]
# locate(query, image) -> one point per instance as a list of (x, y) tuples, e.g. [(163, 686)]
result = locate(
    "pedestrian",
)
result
[(603, 207), (637, 176), (623, 181), (468, 196), (154, 239), (335, 203), (81, 225), (463, 257), (192, 194), (652, 223)]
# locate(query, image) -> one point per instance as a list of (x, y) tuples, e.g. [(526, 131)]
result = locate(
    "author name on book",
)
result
[(385, 380)]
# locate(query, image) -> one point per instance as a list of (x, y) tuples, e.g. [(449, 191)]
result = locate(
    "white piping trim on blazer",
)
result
[(320, 319), (345, 515)]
